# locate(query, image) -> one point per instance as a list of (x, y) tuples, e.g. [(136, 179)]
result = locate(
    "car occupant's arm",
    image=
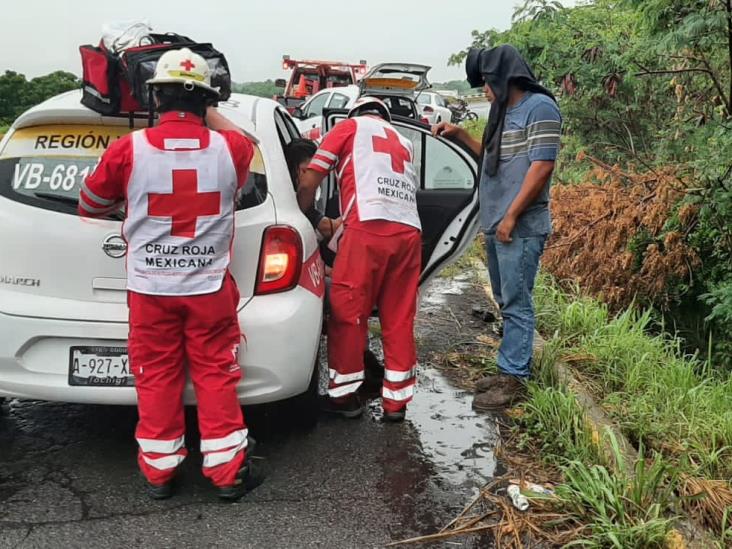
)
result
[(103, 192)]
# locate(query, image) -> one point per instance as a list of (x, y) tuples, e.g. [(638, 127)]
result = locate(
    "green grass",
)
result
[(554, 417), (620, 510), (674, 407), (475, 127), (671, 402)]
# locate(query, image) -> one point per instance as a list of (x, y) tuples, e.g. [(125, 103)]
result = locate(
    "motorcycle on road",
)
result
[(461, 111)]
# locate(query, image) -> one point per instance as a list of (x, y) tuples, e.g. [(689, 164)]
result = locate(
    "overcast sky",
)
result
[(39, 36)]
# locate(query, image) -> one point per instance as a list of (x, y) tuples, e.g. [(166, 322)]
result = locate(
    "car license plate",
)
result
[(100, 367)]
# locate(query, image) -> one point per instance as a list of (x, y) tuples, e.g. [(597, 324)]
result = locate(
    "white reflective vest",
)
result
[(180, 216), (384, 173)]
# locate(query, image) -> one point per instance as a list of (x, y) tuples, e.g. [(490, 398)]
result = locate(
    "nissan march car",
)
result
[(63, 302)]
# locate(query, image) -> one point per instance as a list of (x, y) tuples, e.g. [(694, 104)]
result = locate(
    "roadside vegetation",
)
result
[(674, 408), (643, 189), (635, 297)]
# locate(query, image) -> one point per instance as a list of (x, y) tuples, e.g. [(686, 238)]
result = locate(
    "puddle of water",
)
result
[(436, 295), (456, 440)]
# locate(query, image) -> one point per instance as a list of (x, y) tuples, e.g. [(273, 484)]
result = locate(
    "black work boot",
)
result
[(395, 417), (349, 406), (247, 478), (159, 491)]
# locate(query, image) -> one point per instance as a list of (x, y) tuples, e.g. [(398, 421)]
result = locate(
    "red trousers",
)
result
[(379, 270), (165, 334)]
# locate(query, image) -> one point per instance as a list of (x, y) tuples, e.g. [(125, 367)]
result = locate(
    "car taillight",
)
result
[(425, 120), (280, 260)]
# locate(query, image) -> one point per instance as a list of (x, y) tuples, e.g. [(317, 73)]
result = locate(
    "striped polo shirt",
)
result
[(531, 132)]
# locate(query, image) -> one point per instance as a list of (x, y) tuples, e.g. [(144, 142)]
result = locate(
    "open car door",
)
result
[(447, 199)]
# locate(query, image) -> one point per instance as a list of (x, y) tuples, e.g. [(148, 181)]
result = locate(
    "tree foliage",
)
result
[(18, 94), (646, 86), (265, 88)]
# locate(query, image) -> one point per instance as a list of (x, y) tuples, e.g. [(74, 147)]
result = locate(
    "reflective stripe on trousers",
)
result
[(169, 453), (217, 451)]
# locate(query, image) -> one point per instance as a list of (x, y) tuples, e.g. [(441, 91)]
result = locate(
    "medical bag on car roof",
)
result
[(115, 82)]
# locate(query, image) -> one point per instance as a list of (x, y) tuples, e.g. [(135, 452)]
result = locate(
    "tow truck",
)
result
[(311, 76)]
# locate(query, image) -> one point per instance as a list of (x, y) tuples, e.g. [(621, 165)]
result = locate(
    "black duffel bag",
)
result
[(138, 65), (116, 83)]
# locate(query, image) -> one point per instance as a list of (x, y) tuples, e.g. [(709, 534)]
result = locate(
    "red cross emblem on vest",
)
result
[(187, 65), (185, 204), (392, 146)]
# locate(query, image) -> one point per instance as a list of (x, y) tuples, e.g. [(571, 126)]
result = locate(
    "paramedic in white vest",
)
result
[(379, 254), (179, 181)]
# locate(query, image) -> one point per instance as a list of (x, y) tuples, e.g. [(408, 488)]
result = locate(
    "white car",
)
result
[(309, 117), (394, 83), (434, 107), (63, 309)]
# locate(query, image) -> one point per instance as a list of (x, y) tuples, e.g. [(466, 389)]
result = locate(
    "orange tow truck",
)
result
[(310, 76)]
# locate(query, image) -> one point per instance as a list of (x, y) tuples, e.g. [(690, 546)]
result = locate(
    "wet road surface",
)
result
[(68, 476)]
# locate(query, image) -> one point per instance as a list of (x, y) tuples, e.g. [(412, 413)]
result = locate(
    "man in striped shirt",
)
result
[(519, 148)]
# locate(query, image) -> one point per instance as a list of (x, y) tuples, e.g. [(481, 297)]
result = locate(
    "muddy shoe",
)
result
[(349, 407), (504, 393), (495, 380)]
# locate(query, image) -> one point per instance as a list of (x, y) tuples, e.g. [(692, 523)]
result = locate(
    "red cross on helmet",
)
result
[(370, 105), (183, 67)]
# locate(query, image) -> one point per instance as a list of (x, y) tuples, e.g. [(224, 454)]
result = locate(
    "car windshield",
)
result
[(45, 166), (424, 99)]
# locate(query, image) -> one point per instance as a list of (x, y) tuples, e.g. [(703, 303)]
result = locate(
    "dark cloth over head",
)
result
[(499, 67)]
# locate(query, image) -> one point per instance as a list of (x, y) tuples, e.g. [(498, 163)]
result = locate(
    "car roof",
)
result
[(66, 108)]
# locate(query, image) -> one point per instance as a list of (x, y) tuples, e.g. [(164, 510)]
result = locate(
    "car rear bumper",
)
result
[(282, 337)]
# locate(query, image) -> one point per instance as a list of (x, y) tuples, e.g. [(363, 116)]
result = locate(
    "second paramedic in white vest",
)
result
[(379, 255), (179, 181)]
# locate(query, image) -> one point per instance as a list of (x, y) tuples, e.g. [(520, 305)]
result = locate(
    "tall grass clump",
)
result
[(553, 417), (621, 510), (671, 402)]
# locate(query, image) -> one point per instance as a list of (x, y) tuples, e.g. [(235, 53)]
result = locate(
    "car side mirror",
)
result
[(298, 113), (280, 83)]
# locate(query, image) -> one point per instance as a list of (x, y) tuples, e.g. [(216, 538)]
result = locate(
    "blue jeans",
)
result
[(512, 268)]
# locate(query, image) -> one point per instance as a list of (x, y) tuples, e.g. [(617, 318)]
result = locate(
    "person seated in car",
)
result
[(297, 155)]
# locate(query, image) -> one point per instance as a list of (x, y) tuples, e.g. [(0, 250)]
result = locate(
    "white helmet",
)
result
[(368, 105), (183, 67)]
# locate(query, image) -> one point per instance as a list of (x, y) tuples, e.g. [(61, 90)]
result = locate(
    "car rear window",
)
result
[(44, 166)]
